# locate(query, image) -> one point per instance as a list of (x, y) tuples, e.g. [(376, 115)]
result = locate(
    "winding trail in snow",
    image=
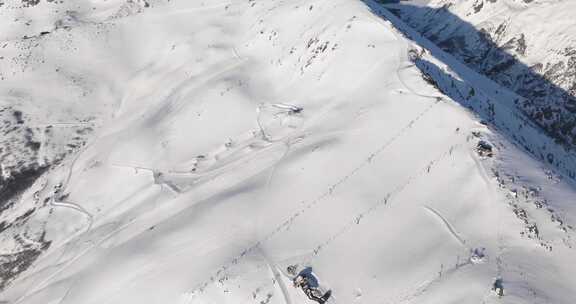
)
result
[(447, 224), (74, 206), (39, 286), (402, 58)]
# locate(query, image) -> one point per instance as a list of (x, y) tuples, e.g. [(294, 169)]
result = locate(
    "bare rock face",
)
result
[(522, 45)]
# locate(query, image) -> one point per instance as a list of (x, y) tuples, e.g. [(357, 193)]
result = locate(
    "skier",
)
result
[(309, 285)]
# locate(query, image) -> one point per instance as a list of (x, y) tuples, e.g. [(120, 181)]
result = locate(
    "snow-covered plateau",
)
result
[(197, 151)]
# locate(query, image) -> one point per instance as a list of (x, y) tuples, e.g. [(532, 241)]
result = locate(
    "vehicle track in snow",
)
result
[(277, 277)]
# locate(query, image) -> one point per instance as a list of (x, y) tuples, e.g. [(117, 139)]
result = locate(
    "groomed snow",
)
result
[(241, 137)]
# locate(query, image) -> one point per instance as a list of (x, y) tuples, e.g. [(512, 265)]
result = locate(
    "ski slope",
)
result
[(232, 139)]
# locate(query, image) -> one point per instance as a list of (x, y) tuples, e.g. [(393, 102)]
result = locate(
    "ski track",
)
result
[(273, 170), (447, 224), (206, 177), (401, 54), (277, 277), (65, 295), (74, 206)]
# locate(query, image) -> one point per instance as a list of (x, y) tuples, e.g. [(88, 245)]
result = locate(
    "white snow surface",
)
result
[(237, 137)]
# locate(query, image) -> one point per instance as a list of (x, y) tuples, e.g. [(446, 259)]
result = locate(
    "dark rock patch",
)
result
[(12, 187)]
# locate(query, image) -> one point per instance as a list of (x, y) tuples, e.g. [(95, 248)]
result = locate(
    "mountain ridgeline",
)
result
[(523, 45)]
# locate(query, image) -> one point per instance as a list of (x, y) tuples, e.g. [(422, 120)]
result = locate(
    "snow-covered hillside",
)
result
[(191, 151), (526, 46)]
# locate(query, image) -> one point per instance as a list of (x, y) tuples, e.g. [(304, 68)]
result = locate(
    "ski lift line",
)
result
[(356, 220), (66, 183), (308, 205), (286, 224)]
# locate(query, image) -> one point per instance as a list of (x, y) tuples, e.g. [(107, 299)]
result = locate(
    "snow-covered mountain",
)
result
[(191, 151), (526, 46)]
